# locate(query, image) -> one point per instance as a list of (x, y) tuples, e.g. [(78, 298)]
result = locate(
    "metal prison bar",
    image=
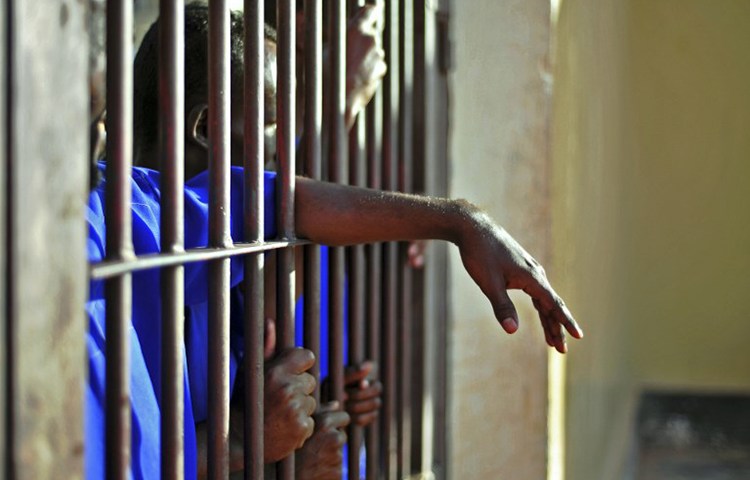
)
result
[(378, 153)]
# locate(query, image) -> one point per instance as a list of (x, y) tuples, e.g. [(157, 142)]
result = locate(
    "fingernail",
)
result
[(509, 324)]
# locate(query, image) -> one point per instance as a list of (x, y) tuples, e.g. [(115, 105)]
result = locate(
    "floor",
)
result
[(693, 437)]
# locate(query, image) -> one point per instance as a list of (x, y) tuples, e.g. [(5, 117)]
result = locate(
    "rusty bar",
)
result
[(218, 237), (419, 461), (374, 149), (118, 290), (171, 144), (374, 315), (356, 274), (313, 168), (253, 217), (285, 145), (390, 293), (337, 168), (107, 269), (405, 167), (5, 314)]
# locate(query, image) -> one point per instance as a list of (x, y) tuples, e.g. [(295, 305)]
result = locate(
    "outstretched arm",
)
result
[(334, 214)]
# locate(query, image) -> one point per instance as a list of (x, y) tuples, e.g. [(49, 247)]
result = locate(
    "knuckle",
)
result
[(288, 393)]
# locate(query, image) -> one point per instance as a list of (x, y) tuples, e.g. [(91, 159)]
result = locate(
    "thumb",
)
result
[(505, 311)]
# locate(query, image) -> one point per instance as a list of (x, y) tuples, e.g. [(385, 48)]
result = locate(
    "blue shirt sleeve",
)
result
[(146, 318)]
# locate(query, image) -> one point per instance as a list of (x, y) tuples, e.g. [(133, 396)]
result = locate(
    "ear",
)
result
[(269, 338), (197, 124)]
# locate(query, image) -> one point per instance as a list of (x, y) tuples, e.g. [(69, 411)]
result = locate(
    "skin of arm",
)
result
[(340, 215)]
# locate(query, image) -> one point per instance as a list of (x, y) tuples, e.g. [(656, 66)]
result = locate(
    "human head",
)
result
[(146, 91)]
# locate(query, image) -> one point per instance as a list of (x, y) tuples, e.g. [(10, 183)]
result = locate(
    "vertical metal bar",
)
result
[(219, 237), (4, 280), (374, 140), (119, 233), (171, 139), (437, 131), (374, 151), (286, 155), (254, 103), (419, 333), (405, 157), (390, 279), (356, 273), (313, 130), (337, 165)]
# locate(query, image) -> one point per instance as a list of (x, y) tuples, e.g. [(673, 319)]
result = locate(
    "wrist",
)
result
[(464, 220)]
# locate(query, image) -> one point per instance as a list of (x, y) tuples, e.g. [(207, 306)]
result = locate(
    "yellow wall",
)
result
[(689, 192), (651, 219), (589, 155)]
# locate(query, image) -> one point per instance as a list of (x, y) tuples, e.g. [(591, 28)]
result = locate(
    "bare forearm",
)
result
[(342, 215)]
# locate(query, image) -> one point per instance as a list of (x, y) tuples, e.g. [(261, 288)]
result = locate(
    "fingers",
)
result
[(415, 253), (364, 406), (295, 360), (330, 417), (308, 405), (365, 420), (369, 17), (358, 394), (306, 383), (552, 305), (505, 311), (308, 425), (355, 374)]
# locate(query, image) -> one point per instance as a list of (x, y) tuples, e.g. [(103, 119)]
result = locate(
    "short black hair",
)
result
[(146, 69)]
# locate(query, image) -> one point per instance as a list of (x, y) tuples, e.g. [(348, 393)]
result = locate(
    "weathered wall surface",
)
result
[(590, 154), (651, 226), (499, 153)]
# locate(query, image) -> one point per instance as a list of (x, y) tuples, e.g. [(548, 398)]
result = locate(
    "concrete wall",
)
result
[(590, 155), (689, 191), (651, 199), (499, 152)]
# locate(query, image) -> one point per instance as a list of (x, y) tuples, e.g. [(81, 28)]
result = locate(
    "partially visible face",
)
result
[(269, 100)]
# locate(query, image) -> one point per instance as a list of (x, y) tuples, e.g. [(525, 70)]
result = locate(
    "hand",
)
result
[(497, 262), (288, 405), (362, 395), (415, 253), (321, 456), (365, 59)]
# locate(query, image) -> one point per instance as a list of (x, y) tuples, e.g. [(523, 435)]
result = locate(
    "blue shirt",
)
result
[(145, 331)]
